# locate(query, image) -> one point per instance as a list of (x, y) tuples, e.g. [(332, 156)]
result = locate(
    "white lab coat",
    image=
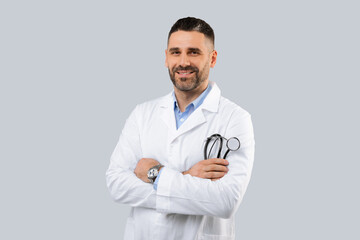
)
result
[(183, 207)]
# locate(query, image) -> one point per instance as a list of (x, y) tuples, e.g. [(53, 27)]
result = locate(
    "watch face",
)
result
[(152, 173)]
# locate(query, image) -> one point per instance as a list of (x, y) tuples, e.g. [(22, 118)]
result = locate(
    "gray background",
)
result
[(71, 72)]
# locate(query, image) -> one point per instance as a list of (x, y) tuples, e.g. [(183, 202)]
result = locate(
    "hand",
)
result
[(213, 169), (143, 167)]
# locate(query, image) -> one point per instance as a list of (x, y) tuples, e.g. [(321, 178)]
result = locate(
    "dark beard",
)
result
[(194, 81)]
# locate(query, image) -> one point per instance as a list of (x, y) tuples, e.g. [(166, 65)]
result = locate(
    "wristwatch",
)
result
[(154, 172)]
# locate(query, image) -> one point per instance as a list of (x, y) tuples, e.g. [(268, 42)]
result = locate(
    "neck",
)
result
[(184, 98)]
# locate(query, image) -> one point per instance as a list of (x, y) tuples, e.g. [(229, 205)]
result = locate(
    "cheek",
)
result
[(169, 62), (201, 63), (171, 65), (201, 66)]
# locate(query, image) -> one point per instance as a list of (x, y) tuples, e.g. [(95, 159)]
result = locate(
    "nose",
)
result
[(184, 60)]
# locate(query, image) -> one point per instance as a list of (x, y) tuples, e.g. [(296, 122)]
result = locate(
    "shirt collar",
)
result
[(211, 102), (198, 101)]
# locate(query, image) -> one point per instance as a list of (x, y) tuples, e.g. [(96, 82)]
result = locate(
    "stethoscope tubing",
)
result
[(219, 138)]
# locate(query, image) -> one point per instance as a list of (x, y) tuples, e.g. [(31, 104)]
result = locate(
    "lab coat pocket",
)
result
[(129, 229)]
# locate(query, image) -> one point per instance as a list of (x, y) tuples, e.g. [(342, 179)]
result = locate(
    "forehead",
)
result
[(185, 39)]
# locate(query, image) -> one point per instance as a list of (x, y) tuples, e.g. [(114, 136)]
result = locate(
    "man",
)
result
[(158, 166)]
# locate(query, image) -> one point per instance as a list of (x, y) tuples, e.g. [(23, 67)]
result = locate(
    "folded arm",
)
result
[(183, 193), (195, 192), (124, 186)]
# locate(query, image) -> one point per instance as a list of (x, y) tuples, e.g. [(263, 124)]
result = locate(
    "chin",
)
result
[(186, 87)]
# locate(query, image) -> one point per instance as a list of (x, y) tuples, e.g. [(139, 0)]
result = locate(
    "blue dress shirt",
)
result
[(180, 117)]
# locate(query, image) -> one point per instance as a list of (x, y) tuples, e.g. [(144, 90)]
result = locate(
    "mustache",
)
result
[(187, 68)]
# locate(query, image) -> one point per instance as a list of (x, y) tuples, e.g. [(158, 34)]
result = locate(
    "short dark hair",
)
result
[(193, 24)]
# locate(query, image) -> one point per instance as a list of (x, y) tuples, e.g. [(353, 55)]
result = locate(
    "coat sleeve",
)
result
[(121, 180), (184, 194)]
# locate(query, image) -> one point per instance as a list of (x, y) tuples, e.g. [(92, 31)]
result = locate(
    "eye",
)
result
[(194, 53), (175, 53)]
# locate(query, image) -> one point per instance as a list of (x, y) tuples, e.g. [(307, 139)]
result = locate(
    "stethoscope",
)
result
[(232, 144)]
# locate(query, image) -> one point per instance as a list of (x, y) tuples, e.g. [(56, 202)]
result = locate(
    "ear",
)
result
[(166, 64), (213, 58)]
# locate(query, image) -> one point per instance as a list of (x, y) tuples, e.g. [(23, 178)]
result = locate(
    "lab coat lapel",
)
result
[(211, 104), (168, 117), (197, 118), (167, 112)]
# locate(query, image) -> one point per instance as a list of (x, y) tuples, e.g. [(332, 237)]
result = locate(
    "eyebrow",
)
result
[(195, 50), (189, 49), (174, 49)]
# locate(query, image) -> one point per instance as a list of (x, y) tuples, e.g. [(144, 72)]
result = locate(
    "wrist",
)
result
[(153, 172)]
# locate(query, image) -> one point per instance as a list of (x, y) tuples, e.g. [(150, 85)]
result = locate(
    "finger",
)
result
[(216, 168), (218, 161), (215, 179), (212, 175)]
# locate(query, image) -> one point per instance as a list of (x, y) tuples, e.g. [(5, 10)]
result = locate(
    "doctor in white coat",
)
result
[(158, 165)]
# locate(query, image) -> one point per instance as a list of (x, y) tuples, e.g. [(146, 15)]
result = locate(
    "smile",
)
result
[(184, 73)]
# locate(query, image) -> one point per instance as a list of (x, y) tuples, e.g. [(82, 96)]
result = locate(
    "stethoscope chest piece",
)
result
[(232, 144)]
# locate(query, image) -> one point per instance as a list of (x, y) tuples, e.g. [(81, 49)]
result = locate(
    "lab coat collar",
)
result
[(211, 104)]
